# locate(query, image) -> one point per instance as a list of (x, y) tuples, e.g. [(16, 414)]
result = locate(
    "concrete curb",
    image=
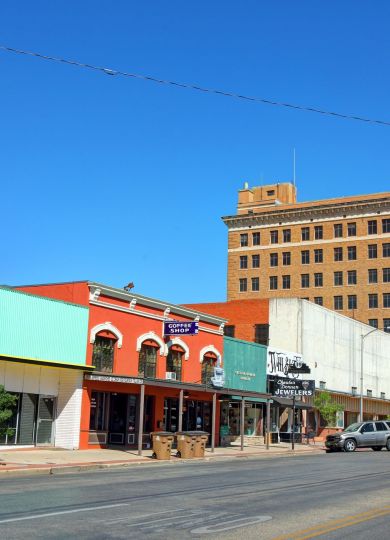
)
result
[(69, 469)]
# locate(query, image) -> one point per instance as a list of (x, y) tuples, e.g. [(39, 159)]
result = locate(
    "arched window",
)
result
[(103, 353), (147, 359), (175, 360), (208, 364)]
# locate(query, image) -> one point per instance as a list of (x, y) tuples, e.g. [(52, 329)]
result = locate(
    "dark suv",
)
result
[(375, 435)]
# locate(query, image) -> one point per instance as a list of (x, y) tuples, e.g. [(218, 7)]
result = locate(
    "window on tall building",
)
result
[(338, 302), (373, 300), (229, 330), (369, 393), (383, 395), (373, 323), (351, 229), (243, 284), (305, 256), (352, 277), (372, 275), (354, 390), (372, 251), (243, 240), (386, 300), (372, 226), (255, 284), (318, 256), (287, 235), (262, 333), (243, 262), (338, 230), (386, 275), (305, 281), (338, 253), (274, 237), (286, 282), (286, 258), (352, 301), (385, 225), (322, 385), (318, 232), (386, 250), (273, 283), (386, 325), (351, 253), (273, 259), (337, 278), (256, 238), (318, 279), (255, 261), (319, 300), (305, 234)]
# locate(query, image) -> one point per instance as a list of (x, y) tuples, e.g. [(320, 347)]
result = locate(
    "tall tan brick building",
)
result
[(334, 252)]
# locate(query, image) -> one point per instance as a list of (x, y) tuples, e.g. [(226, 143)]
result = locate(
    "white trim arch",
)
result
[(180, 343), (212, 349), (154, 337), (110, 328)]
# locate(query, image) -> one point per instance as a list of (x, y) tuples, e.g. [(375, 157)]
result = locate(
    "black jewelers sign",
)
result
[(284, 387)]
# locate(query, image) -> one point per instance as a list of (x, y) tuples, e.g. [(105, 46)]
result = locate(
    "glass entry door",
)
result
[(45, 419)]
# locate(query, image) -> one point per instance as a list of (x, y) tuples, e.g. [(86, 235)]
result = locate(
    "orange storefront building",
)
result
[(143, 380)]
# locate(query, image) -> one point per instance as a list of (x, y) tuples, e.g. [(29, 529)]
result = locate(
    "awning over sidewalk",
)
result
[(47, 363), (286, 402)]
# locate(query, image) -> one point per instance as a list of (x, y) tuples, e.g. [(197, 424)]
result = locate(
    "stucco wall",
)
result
[(331, 344)]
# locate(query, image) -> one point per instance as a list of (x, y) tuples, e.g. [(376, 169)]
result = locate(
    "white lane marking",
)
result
[(133, 522), (232, 524), (183, 523), (76, 510)]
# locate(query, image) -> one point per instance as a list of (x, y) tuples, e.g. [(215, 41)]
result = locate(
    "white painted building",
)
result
[(330, 344)]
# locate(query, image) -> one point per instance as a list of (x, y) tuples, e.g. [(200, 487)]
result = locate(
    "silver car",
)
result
[(375, 435)]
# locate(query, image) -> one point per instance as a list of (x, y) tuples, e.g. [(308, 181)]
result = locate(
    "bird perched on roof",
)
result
[(129, 286)]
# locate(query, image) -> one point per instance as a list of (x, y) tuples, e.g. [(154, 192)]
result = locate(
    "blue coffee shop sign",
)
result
[(180, 328)]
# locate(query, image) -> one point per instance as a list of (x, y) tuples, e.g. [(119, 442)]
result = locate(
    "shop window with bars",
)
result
[(103, 354), (262, 333), (147, 361), (208, 365)]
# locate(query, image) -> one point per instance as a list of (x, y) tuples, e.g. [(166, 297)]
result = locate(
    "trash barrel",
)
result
[(201, 438), (186, 441), (162, 444)]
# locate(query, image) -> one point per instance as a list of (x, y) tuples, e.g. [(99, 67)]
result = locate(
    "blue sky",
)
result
[(119, 180)]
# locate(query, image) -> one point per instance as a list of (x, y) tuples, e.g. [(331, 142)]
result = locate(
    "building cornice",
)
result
[(317, 212)]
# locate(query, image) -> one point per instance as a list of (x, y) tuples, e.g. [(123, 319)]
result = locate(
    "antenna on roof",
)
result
[(294, 167)]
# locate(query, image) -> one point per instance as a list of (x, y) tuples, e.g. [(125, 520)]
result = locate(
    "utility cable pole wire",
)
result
[(109, 71)]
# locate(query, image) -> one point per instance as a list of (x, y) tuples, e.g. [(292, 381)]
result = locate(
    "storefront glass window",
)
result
[(231, 413), (99, 402)]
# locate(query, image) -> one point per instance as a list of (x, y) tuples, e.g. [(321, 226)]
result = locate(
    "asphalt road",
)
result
[(327, 496)]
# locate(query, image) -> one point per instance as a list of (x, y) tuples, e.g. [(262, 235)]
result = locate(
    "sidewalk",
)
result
[(53, 460)]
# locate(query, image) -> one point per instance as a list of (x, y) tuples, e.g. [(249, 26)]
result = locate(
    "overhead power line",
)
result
[(109, 71)]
